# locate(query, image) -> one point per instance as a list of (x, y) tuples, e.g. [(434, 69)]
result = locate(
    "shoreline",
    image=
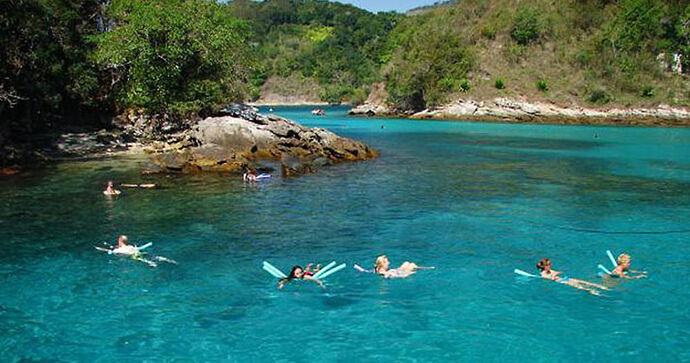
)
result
[(506, 110)]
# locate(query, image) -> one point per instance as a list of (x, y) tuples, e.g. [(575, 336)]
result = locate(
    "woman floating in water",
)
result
[(623, 268), (382, 264), (110, 190), (300, 274), (544, 266)]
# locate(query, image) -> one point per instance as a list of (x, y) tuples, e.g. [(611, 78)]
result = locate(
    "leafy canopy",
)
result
[(174, 55)]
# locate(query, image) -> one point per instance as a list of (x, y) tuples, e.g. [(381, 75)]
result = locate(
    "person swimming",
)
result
[(110, 190), (544, 266), (249, 176), (623, 268), (382, 267), (125, 249), (299, 273)]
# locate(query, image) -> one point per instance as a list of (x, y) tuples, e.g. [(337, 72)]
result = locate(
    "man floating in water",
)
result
[(135, 252)]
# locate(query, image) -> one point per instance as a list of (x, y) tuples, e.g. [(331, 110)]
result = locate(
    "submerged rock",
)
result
[(243, 137)]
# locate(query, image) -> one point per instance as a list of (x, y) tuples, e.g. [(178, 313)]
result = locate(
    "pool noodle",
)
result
[(604, 269), (323, 270), (332, 271), (523, 273), (613, 260), (145, 246), (362, 269), (274, 271)]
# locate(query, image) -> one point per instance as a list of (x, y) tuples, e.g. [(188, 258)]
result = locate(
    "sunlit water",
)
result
[(476, 200)]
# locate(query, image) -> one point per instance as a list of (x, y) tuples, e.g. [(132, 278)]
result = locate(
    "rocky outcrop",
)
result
[(511, 110), (240, 136), (376, 103)]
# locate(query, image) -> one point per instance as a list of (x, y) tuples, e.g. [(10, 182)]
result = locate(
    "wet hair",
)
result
[(623, 259), (379, 262), (292, 272), (541, 265)]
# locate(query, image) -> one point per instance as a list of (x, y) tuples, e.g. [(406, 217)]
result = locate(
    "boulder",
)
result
[(243, 137)]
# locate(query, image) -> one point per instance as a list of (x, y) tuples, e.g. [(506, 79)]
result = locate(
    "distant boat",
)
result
[(318, 112)]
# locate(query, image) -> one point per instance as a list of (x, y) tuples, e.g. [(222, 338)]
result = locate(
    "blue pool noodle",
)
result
[(145, 246), (323, 270), (332, 271), (274, 271), (523, 273), (605, 269), (613, 260)]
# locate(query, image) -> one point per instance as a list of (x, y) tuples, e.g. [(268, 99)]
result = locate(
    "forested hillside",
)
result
[(303, 44), (81, 61)]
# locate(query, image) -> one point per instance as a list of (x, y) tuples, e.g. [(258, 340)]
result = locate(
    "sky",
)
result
[(388, 5)]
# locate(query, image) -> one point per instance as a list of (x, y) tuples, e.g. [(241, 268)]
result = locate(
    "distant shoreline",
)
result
[(521, 111)]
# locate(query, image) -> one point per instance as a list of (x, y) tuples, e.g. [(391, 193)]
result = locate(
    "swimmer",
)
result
[(382, 264), (249, 176), (109, 190), (124, 248), (623, 268), (544, 266), (298, 273)]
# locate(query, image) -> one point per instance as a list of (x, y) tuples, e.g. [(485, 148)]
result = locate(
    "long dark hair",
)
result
[(291, 275)]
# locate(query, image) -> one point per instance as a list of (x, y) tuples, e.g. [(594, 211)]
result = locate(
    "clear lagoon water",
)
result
[(476, 200)]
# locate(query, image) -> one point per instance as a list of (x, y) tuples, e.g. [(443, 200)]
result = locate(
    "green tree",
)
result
[(175, 55)]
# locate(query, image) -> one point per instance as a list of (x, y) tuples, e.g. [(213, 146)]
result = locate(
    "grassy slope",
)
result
[(568, 55)]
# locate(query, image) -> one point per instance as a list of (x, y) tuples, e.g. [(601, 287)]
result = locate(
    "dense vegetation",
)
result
[(339, 46), (69, 60)]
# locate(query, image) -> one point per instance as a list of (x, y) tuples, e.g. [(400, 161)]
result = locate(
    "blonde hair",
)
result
[(623, 259), (379, 262)]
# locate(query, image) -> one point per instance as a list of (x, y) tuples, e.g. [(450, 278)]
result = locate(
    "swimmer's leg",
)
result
[(164, 259), (592, 284), (574, 283), (142, 259)]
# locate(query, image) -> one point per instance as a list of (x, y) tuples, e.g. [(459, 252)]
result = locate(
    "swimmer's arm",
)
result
[(309, 278)]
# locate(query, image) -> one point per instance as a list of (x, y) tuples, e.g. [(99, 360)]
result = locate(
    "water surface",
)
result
[(476, 200)]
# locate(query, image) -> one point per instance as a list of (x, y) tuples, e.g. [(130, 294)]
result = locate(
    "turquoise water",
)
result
[(476, 200)]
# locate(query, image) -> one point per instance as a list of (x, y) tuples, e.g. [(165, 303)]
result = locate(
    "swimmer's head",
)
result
[(381, 263), (122, 240), (110, 184), (624, 259), (296, 272), (544, 264)]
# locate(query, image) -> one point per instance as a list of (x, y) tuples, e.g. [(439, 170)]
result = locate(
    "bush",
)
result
[(528, 26), (465, 85), (647, 91), (600, 97), (447, 84), (542, 85), (488, 31), (498, 83)]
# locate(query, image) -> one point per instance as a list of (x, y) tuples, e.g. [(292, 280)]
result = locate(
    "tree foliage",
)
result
[(174, 55)]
